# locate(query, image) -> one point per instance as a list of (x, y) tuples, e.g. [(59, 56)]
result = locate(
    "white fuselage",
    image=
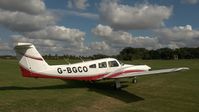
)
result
[(32, 64), (91, 70)]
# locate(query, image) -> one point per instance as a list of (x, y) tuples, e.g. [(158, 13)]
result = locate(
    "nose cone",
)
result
[(148, 67)]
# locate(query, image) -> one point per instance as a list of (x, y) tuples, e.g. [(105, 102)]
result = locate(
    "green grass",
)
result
[(175, 92)]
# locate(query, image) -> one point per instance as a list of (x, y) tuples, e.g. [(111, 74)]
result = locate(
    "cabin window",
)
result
[(102, 65), (92, 66), (113, 64)]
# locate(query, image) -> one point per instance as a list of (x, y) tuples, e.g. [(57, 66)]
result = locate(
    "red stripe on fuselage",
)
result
[(123, 72)]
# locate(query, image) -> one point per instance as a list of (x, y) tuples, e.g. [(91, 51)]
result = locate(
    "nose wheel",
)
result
[(117, 84), (134, 80)]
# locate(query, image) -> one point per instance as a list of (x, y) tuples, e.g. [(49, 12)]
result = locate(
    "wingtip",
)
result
[(183, 68), (186, 68)]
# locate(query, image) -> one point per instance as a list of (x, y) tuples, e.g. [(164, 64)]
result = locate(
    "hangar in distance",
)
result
[(32, 64)]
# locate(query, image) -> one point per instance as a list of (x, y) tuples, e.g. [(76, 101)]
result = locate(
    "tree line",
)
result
[(130, 53)]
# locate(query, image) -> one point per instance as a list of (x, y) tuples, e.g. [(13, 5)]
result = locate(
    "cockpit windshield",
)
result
[(113, 63)]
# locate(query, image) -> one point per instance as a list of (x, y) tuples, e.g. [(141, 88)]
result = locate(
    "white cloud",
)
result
[(39, 42), (27, 6), (22, 22), (35, 24), (4, 46), (73, 37), (146, 42), (107, 33), (181, 36), (78, 4), (55, 38), (44, 46), (133, 17), (102, 30), (19, 38), (190, 1), (99, 46), (51, 46), (25, 15), (121, 39), (178, 36)]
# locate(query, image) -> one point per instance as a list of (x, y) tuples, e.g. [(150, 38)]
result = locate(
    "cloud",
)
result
[(35, 24), (4, 46), (99, 46), (57, 39), (179, 36), (27, 6), (44, 46), (23, 22), (73, 37), (189, 1), (107, 33), (127, 17), (39, 42), (51, 46), (121, 39), (25, 15), (78, 4)]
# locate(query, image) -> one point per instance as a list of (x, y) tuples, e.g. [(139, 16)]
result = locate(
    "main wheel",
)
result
[(117, 84), (134, 80)]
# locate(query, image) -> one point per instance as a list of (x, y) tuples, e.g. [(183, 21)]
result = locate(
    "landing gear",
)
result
[(117, 84), (134, 80), (92, 81)]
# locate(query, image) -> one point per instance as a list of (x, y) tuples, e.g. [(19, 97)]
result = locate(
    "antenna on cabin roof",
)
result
[(81, 58)]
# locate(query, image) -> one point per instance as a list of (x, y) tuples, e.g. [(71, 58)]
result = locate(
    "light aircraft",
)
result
[(32, 64)]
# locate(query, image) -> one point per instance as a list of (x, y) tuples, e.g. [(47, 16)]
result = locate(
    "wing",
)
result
[(126, 75)]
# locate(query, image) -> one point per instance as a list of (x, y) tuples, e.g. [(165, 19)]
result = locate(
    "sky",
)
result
[(87, 27)]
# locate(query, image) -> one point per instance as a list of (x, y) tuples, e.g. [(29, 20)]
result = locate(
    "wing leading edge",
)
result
[(161, 71)]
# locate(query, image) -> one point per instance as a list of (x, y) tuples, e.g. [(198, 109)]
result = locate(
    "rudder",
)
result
[(30, 59)]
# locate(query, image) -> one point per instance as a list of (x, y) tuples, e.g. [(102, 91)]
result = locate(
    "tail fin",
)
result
[(29, 59)]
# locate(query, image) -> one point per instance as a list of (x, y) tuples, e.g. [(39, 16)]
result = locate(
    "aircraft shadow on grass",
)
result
[(105, 88)]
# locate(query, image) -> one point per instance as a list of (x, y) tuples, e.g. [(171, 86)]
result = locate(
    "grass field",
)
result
[(175, 92)]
